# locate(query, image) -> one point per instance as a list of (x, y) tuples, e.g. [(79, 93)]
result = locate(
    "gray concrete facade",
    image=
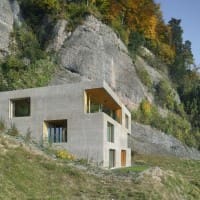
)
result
[(86, 132)]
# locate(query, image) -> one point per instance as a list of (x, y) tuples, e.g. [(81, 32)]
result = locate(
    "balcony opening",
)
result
[(20, 107), (99, 100), (56, 131)]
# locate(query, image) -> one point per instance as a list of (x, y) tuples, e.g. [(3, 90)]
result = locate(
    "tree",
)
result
[(187, 54), (183, 53), (176, 35)]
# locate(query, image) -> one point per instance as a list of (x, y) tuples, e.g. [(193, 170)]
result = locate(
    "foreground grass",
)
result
[(27, 175)]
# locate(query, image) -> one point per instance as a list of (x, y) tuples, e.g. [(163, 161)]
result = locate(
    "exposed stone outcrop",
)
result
[(95, 52), (17, 17), (9, 14), (146, 140), (6, 26), (59, 35)]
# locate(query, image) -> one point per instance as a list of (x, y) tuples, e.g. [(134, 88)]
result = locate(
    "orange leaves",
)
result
[(137, 15)]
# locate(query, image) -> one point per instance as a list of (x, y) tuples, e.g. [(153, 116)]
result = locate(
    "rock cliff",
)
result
[(95, 52), (6, 25), (9, 14)]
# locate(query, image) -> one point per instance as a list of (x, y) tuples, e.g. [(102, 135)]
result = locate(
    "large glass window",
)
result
[(21, 107), (110, 132)]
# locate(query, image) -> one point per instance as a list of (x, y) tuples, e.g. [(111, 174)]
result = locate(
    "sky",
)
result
[(189, 13)]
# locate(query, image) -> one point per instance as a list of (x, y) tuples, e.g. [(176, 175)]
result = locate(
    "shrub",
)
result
[(120, 30), (165, 95), (76, 14), (28, 44), (173, 124), (13, 131), (136, 40), (65, 155), (144, 77)]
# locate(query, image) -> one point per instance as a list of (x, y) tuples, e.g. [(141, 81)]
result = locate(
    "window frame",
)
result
[(12, 107), (126, 121), (110, 132)]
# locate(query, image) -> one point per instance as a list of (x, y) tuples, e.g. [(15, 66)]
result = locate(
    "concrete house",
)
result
[(86, 118)]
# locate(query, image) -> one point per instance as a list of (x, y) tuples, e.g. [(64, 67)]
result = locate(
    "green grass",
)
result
[(27, 175), (136, 168)]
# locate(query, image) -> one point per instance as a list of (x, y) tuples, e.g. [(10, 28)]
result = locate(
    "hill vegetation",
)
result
[(138, 23), (29, 171)]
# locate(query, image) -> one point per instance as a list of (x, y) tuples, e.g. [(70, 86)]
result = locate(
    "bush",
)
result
[(136, 40), (165, 95), (13, 131), (65, 155), (173, 124), (76, 14), (144, 77), (120, 30), (27, 44)]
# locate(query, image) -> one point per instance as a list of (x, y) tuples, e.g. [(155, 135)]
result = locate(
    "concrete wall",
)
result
[(87, 132)]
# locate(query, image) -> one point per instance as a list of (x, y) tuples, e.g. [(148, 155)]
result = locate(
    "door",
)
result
[(123, 158)]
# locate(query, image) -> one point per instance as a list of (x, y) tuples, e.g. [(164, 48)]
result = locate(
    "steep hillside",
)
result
[(69, 41), (27, 172)]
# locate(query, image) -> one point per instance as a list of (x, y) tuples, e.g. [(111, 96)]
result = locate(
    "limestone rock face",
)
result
[(59, 35), (16, 12), (6, 25), (9, 13), (95, 52), (146, 140)]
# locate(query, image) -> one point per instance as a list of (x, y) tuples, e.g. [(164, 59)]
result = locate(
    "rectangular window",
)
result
[(110, 132), (126, 121), (57, 131), (111, 158), (20, 107)]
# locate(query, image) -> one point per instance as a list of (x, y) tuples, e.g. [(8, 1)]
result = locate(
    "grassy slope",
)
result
[(26, 175)]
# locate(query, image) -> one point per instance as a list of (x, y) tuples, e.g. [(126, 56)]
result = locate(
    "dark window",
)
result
[(111, 158), (126, 121), (110, 132), (21, 107)]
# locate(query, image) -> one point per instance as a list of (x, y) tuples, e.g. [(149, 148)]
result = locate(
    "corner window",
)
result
[(20, 107), (126, 121), (110, 132)]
